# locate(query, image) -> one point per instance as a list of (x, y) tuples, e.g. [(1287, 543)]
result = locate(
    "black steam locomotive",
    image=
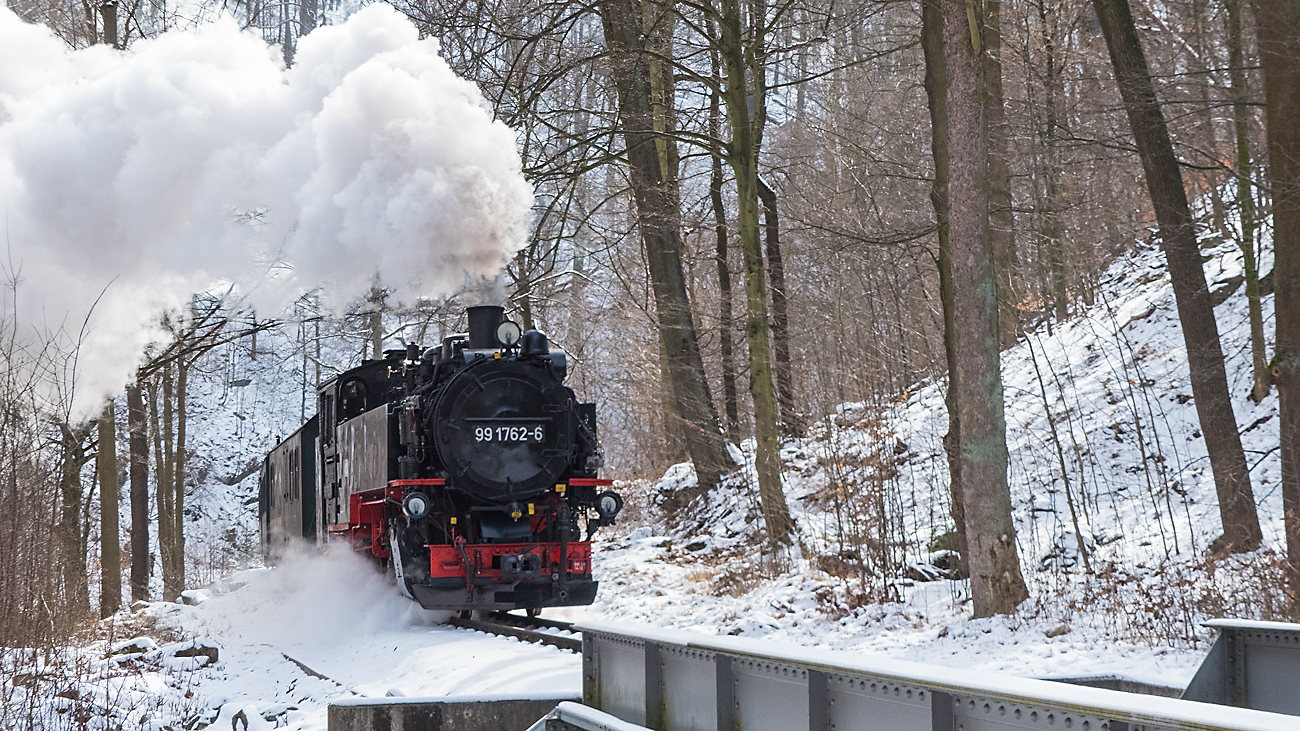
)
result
[(468, 471)]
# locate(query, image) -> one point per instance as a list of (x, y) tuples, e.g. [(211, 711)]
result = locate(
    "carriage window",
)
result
[(295, 475)]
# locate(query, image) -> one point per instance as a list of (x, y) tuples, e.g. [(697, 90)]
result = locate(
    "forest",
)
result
[(746, 215)]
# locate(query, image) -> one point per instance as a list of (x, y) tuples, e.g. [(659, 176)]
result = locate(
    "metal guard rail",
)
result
[(683, 681), (1253, 665)]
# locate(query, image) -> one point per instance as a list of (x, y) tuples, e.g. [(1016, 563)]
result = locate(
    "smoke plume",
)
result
[(195, 160)]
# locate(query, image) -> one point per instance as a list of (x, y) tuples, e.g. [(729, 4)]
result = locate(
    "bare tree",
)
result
[(1001, 213), (791, 423), (30, 494), (1279, 46), (936, 89), (110, 554), (163, 423), (743, 55), (137, 428), (997, 586), (1246, 197), (639, 34), (204, 326), (72, 529), (725, 319), (1051, 231), (1241, 530)]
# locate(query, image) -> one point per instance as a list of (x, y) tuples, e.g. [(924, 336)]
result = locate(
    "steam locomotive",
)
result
[(466, 471)]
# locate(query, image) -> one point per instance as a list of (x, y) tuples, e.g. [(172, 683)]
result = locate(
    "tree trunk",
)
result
[(742, 155), (791, 424), (639, 34), (306, 17), (178, 483), (523, 297), (1178, 239), (375, 321), (1279, 45), (110, 595), (1001, 216), (163, 460), (1204, 64), (166, 488), (725, 322), (674, 428), (936, 90), (1051, 232), (997, 586), (744, 99), (108, 11), (76, 591), (139, 448), (92, 28), (1246, 200)]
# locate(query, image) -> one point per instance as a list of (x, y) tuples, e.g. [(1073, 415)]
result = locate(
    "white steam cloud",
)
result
[(195, 159)]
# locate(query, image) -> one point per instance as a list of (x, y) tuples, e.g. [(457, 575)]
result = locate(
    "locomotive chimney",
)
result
[(483, 321)]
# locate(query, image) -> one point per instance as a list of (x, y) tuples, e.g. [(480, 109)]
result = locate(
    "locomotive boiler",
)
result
[(468, 471)]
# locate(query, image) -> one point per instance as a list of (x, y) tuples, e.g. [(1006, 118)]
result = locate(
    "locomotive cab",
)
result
[(468, 470)]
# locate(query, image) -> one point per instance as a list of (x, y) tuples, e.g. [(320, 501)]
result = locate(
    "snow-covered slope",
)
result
[(287, 641), (241, 404), (868, 490)]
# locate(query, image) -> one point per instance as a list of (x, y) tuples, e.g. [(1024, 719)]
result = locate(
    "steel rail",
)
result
[(524, 628)]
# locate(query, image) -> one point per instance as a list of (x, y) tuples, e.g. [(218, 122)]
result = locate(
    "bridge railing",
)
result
[(683, 681), (1251, 665)]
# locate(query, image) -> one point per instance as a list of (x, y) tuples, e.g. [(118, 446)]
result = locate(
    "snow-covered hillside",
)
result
[(868, 490), (244, 397)]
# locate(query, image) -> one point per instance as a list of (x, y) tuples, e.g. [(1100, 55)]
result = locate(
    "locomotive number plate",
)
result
[(512, 433)]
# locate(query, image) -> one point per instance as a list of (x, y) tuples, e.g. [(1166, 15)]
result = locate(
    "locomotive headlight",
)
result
[(415, 505), (508, 333), (608, 504)]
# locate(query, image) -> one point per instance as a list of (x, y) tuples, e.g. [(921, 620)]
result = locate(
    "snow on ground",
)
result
[(644, 582), (867, 488), (367, 637), (290, 640), (286, 623), (1114, 379)]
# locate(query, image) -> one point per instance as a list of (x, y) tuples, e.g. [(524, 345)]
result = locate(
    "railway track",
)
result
[(526, 629)]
